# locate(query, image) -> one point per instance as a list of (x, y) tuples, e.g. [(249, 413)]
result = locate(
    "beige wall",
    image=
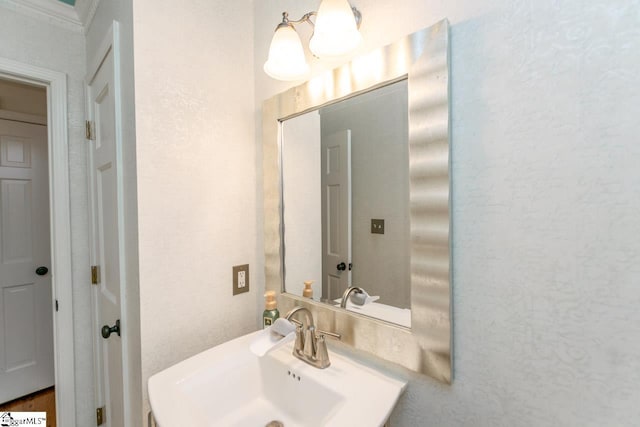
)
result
[(196, 176), (23, 98), (545, 175)]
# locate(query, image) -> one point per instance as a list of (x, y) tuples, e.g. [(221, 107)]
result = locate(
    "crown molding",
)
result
[(86, 10), (72, 18)]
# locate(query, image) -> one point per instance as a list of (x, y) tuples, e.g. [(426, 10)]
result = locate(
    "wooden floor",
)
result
[(41, 401)]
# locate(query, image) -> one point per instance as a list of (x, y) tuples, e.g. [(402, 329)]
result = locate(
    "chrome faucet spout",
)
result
[(308, 318), (347, 292)]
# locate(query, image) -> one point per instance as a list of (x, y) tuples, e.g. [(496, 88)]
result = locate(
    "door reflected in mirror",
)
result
[(345, 183)]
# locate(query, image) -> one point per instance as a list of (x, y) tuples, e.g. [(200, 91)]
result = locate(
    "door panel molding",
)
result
[(60, 219)]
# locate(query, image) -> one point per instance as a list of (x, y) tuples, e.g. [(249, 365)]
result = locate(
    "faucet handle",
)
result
[(329, 334), (322, 354)]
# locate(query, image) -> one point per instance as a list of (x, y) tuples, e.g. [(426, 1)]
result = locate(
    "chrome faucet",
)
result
[(309, 346), (347, 292)]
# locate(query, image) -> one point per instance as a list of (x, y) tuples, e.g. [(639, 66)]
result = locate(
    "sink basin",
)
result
[(228, 385)]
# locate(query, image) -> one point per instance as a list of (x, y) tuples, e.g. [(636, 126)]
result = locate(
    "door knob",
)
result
[(107, 331), (341, 267), (42, 270)]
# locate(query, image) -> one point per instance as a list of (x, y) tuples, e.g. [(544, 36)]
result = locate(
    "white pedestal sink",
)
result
[(228, 385)]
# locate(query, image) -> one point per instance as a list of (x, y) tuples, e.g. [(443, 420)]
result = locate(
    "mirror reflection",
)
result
[(345, 183)]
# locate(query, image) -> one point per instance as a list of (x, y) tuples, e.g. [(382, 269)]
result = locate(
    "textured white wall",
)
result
[(196, 176), (546, 195), (36, 42)]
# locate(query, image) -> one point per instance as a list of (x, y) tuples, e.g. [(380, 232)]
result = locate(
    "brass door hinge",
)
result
[(95, 274), (101, 415), (90, 130)]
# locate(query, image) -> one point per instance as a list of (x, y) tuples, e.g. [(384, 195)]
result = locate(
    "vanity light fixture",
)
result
[(335, 33)]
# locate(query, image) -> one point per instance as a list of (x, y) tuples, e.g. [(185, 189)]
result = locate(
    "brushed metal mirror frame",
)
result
[(422, 58)]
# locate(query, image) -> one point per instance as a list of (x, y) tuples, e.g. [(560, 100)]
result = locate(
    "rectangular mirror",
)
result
[(345, 186), (387, 209)]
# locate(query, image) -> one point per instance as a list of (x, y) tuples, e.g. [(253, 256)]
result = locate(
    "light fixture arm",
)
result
[(307, 18)]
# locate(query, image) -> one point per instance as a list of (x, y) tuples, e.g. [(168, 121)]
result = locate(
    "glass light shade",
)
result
[(336, 32), (286, 56)]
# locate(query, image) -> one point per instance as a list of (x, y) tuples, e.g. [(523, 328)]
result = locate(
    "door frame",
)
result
[(55, 83)]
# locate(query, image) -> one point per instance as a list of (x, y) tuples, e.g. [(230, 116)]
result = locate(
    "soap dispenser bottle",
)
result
[(307, 292), (271, 312)]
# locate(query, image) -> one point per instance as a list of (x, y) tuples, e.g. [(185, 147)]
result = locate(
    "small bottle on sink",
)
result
[(307, 292), (271, 312)]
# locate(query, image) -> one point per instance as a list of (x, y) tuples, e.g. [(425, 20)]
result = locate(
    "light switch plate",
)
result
[(377, 226), (240, 279)]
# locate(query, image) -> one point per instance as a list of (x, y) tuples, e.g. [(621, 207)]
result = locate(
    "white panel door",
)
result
[(26, 304), (336, 213), (105, 243)]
